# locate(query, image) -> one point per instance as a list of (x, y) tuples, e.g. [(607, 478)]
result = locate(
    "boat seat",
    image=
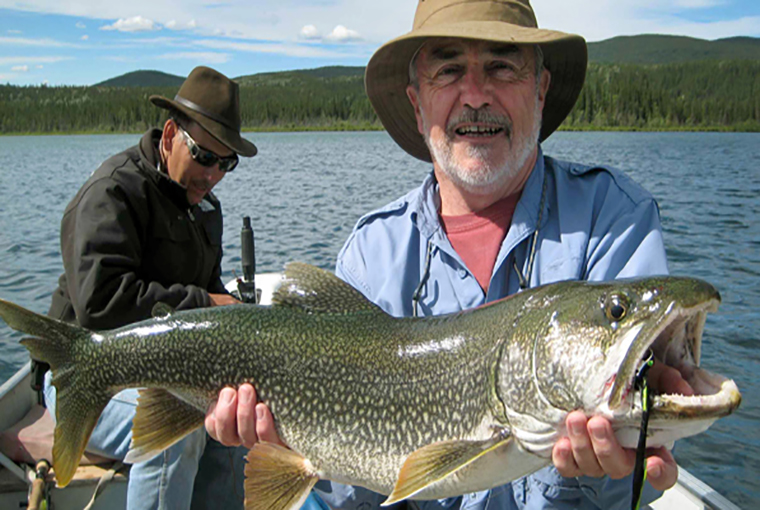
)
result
[(31, 439)]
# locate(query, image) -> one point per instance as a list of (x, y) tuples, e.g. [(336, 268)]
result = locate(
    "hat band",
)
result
[(189, 104)]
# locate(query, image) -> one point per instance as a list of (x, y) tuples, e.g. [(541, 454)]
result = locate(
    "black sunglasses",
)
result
[(206, 157)]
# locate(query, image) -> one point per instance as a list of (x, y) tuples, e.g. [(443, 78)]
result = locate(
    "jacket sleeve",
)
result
[(102, 243)]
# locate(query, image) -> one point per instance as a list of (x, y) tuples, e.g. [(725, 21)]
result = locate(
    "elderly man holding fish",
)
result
[(474, 88)]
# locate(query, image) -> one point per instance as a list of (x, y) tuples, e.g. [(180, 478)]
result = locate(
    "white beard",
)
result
[(482, 178)]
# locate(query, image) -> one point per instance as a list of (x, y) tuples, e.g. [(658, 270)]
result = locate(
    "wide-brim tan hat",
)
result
[(213, 101), (508, 21)]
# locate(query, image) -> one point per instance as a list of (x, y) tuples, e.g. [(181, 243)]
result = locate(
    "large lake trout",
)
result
[(417, 408)]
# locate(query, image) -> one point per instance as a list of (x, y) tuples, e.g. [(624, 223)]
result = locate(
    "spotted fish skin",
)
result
[(355, 391)]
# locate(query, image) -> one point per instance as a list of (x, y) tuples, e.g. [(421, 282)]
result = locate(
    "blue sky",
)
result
[(62, 42)]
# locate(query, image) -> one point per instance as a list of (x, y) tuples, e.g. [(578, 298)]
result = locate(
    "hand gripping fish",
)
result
[(419, 408)]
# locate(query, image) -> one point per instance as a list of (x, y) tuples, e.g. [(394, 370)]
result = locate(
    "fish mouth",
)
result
[(676, 341)]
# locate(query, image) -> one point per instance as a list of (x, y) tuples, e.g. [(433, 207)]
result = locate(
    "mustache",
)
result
[(481, 115)]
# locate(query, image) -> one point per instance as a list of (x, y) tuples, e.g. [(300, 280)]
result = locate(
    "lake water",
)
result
[(305, 191)]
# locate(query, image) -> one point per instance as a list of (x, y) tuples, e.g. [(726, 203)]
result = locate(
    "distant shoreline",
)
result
[(741, 128)]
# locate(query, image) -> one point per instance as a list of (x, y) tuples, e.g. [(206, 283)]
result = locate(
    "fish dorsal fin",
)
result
[(277, 478), (161, 419), (435, 462), (161, 310), (315, 290)]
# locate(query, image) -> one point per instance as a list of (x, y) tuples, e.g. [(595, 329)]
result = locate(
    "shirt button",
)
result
[(462, 273)]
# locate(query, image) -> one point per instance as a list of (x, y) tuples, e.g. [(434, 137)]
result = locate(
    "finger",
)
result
[(580, 442), (210, 421), (662, 470), (614, 460), (226, 418), (246, 415), (562, 457), (265, 425)]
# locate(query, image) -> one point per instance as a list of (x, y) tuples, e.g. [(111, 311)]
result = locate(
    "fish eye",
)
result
[(616, 308)]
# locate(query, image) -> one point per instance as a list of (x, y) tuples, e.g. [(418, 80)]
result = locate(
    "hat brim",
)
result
[(228, 137), (387, 74)]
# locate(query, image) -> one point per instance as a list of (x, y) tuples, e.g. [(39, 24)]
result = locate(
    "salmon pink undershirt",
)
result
[(477, 236)]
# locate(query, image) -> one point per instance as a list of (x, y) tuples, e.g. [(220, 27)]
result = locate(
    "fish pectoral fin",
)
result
[(435, 462), (161, 310), (277, 478), (161, 419), (313, 290)]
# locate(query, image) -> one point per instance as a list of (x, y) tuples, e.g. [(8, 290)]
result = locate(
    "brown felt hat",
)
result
[(508, 21), (213, 101)]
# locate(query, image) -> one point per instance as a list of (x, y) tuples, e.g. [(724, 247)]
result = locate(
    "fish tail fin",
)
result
[(79, 401), (53, 340)]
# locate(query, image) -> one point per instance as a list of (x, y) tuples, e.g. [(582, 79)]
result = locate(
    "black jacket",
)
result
[(130, 239)]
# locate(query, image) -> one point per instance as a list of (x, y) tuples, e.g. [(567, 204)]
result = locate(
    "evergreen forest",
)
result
[(701, 95)]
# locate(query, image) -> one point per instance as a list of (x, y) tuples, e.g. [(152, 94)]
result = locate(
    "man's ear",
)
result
[(414, 97), (167, 137)]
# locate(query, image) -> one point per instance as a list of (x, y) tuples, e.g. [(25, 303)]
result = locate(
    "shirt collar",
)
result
[(426, 204)]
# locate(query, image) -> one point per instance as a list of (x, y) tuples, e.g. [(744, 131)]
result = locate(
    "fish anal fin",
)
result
[(435, 462), (76, 417), (161, 310), (313, 290), (161, 419), (277, 478)]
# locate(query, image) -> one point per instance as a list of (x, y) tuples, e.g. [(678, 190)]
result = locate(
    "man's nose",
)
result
[(475, 90)]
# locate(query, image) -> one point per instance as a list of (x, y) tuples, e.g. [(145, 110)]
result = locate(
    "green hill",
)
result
[(143, 79), (302, 75), (671, 49)]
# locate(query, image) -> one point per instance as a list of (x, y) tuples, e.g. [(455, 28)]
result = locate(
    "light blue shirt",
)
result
[(595, 224)]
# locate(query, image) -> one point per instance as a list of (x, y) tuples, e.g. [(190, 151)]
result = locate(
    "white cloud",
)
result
[(174, 25), (23, 41), (134, 24), (39, 67), (20, 69), (343, 34), (46, 82), (85, 37), (698, 4), (16, 32), (31, 60), (81, 25), (200, 57), (290, 50), (310, 33)]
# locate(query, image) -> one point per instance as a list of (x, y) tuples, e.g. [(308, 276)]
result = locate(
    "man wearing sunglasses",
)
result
[(146, 229)]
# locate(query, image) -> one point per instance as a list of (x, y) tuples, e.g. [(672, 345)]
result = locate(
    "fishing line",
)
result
[(640, 469)]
